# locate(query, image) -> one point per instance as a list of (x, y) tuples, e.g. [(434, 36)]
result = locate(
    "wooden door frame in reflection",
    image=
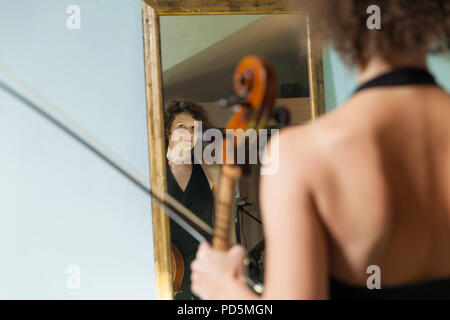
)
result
[(151, 10)]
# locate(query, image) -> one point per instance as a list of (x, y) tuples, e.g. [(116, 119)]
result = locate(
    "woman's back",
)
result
[(367, 184), (385, 157)]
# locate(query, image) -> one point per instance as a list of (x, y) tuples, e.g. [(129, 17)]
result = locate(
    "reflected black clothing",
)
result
[(432, 289), (198, 198)]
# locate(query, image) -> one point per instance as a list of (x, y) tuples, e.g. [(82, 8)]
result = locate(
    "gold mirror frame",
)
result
[(151, 10)]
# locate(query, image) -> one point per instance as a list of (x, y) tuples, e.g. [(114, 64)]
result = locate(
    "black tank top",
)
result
[(431, 289), (198, 198)]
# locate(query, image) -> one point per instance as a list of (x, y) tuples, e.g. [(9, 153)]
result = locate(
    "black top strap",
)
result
[(398, 77)]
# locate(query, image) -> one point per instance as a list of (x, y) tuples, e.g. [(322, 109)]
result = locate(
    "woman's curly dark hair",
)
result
[(175, 107), (406, 25)]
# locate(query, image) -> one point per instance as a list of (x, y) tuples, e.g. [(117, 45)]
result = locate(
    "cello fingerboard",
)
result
[(223, 207)]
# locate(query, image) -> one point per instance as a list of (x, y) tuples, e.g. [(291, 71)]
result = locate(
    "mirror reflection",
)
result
[(199, 54)]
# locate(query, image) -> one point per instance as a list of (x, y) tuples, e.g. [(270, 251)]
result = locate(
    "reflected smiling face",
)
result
[(182, 131)]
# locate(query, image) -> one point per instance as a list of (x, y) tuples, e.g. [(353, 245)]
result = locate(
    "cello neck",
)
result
[(223, 207)]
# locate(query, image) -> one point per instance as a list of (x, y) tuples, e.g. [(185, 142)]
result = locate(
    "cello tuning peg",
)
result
[(230, 102), (224, 103), (282, 116)]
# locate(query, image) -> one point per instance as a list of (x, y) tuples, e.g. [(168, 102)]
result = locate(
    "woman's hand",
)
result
[(218, 275)]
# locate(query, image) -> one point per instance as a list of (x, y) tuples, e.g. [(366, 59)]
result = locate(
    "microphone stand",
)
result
[(255, 262), (244, 203)]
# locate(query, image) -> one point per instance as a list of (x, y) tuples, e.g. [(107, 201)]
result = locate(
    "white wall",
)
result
[(59, 204), (185, 36), (340, 81)]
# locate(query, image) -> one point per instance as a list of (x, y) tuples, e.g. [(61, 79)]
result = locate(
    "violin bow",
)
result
[(174, 209), (180, 214)]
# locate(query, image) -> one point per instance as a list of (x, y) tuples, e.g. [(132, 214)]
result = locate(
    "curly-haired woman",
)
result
[(364, 192), (191, 183)]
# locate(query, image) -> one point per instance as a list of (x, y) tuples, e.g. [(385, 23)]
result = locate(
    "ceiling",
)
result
[(206, 75)]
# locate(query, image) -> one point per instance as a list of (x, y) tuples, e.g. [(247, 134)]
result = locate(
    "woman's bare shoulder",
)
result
[(296, 148), (317, 142)]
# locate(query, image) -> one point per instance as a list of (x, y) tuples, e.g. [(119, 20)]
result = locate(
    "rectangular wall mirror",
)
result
[(191, 51)]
